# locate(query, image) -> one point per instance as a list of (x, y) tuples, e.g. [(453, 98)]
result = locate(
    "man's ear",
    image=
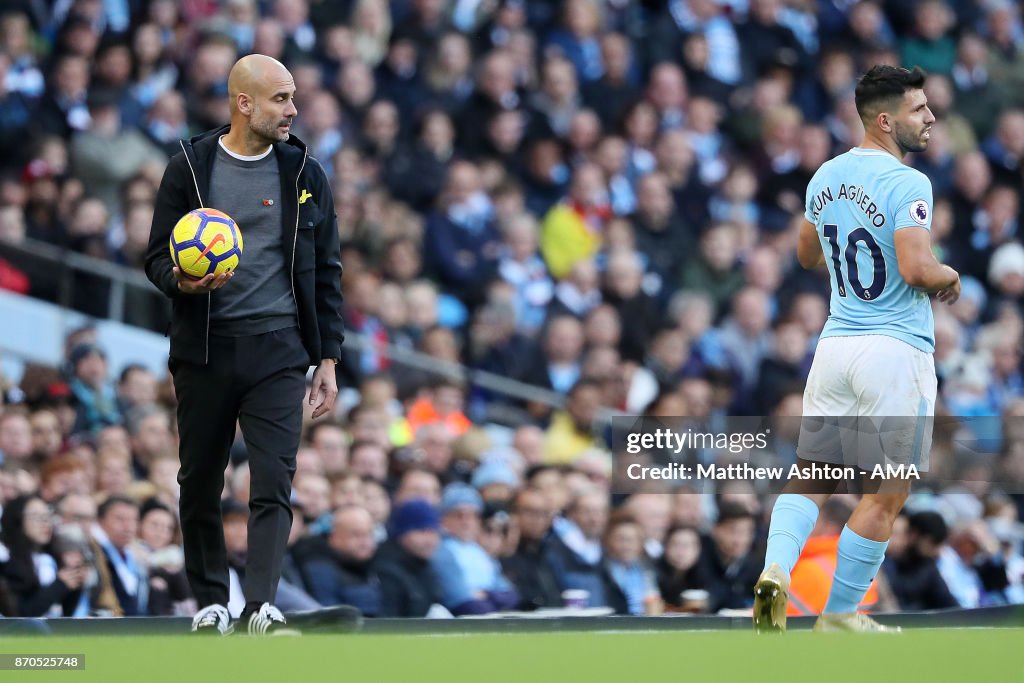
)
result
[(884, 120), (244, 103)]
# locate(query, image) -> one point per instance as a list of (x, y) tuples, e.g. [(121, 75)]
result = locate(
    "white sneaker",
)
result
[(213, 619), (854, 622), (268, 620)]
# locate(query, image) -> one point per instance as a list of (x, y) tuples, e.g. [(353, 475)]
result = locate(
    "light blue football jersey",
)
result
[(857, 201)]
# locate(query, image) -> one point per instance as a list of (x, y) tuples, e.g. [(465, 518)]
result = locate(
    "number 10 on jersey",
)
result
[(872, 291)]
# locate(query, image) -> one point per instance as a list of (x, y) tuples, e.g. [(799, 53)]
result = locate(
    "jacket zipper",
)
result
[(295, 238), (209, 296)]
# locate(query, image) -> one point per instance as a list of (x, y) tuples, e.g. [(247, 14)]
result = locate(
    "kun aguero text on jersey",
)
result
[(853, 193)]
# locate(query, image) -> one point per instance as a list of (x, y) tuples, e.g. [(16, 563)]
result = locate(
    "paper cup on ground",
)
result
[(575, 598)]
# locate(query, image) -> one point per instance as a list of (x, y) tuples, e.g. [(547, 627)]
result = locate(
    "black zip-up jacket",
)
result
[(312, 248)]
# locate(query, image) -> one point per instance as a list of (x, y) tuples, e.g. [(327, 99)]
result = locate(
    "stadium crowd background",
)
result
[(595, 197)]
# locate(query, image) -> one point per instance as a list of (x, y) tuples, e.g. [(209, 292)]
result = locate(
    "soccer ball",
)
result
[(206, 241)]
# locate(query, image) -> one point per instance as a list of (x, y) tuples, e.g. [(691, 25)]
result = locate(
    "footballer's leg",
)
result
[(896, 431), (862, 545), (796, 511), (793, 518)]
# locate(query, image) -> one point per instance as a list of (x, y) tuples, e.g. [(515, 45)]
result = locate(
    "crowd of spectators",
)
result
[(594, 197)]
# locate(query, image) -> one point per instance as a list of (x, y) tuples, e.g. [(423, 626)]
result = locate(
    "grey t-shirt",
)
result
[(258, 298)]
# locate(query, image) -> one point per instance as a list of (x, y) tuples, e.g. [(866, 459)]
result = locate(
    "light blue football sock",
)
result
[(857, 563), (793, 519)]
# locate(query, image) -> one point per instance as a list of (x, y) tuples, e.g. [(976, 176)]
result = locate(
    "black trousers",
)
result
[(257, 382)]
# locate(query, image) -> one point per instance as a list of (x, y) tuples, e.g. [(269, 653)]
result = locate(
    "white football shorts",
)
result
[(869, 400)]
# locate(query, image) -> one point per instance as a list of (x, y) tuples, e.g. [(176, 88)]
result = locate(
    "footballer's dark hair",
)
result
[(882, 84)]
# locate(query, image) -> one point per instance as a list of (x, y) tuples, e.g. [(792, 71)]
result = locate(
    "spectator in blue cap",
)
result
[(408, 585), (495, 481), (471, 580)]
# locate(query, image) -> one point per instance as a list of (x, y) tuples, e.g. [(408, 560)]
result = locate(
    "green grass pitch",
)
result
[(919, 656)]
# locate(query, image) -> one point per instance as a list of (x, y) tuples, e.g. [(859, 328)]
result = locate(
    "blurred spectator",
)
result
[(372, 26), (448, 72), (1002, 32), (577, 293), (661, 232), (653, 512), (45, 584), (496, 482), (418, 483), (628, 568), (729, 563), (471, 581), (700, 16), (16, 445), (409, 586), (577, 39), (527, 568), (910, 565), (312, 495), (136, 388), (341, 570), (117, 524), (766, 40), (679, 568), (417, 175), (369, 460), (942, 101), (442, 403), (572, 430), (522, 267), (746, 339), (612, 91), (149, 429), (96, 400), (572, 230), (931, 46), (1004, 149), (47, 435), (978, 98), (562, 346), (331, 442), (434, 442), (164, 562), (971, 566), (994, 223), (714, 269), (575, 552), (462, 240), (426, 21), (557, 101), (62, 109), (786, 365), (638, 311), (495, 91)]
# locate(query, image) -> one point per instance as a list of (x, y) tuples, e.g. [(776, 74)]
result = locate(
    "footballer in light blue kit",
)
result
[(872, 385)]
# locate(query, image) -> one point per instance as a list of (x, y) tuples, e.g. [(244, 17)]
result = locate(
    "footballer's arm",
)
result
[(808, 248), (919, 267)]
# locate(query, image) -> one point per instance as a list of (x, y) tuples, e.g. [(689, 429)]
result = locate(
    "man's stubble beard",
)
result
[(266, 131), (909, 142)]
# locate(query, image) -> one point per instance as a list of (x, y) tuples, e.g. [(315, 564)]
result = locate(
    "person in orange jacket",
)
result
[(442, 402)]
